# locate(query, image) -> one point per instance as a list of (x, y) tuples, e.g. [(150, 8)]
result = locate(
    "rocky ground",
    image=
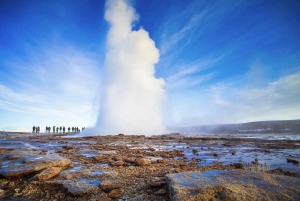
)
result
[(122, 167)]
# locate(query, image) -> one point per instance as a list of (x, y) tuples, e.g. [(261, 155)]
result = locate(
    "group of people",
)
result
[(55, 129), (35, 129)]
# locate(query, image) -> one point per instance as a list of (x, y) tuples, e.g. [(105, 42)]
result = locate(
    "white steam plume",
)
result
[(133, 99)]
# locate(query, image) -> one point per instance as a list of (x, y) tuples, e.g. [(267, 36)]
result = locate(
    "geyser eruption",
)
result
[(132, 99)]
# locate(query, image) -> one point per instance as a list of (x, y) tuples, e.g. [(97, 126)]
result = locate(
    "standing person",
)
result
[(64, 129), (57, 129), (77, 129), (53, 128), (72, 129), (69, 129), (38, 130), (46, 129), (60, 128), (33, 129)]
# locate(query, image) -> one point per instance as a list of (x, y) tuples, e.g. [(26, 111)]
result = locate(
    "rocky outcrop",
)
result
[(232, 185), (142, 161), (109, 185), (47, 174), (32, 163)]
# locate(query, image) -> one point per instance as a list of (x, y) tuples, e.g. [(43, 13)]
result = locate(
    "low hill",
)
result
[(280, 126)]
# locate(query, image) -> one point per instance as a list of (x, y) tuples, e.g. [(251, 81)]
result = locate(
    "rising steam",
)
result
[(133, 98)]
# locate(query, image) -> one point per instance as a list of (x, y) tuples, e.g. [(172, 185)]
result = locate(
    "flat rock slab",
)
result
[(30, 164), (76, 187), (82, 172), (232, 185)]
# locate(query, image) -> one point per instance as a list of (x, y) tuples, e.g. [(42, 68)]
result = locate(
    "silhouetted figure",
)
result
[(73, 129), (57, 129), (64, 129), (38, 129), (53, 129), (33, 129), (69, 129), (60, 128)]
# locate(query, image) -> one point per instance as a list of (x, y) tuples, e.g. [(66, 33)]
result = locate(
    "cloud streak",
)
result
[(227, 103), (57, 81)]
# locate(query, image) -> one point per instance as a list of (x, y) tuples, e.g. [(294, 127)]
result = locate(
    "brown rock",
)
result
[(118, 158), (160, 192), (152, 169), (116, 193), (161, 161), (157, 182), (102, 198), (109, 185), (47, 173), (238, 165), (129, 160), (68, 147), (2, 193), (290, 160), (142, 161), (117, 163), (98, 158)]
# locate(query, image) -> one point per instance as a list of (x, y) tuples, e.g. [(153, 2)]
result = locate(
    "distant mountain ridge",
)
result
[(278, 126)]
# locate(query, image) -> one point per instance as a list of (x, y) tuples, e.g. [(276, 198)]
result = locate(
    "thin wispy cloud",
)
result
[(56, 81), (190, 75), (227, 103)]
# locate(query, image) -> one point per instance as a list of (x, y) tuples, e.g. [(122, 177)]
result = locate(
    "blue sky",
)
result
[(222, 61)]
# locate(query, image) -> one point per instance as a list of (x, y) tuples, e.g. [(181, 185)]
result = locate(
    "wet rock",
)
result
[(68, 147), (129, 160), (238, 165), (291, 160), (142, 161), (160, 192), (116, 193), (85, 173), (157, 182), (161, 161), (117, 163), (47, 174), (118, 158), (109, 185), (267, 151), (174, 170), (232, 185), (30, 164), (215, 155), (17, 154), (102, 198), (98, 158), (76, 187)]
